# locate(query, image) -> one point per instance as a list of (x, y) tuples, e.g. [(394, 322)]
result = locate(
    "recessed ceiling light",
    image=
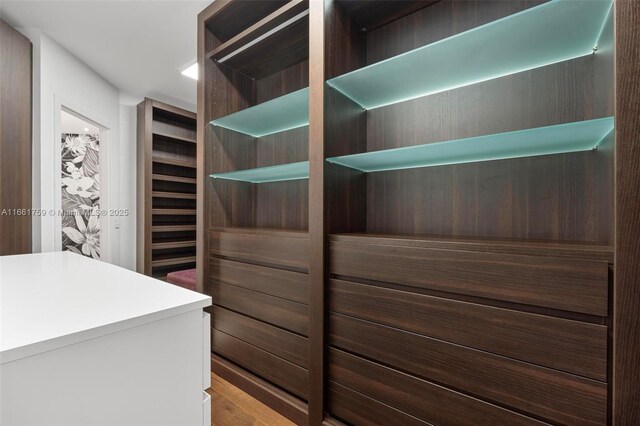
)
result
[(86, 129), (191, 71)]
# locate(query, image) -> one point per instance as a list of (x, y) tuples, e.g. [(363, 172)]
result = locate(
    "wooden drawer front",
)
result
[(283, 313), (562, 344), (274, 340), (288, 250), (358, 409), (549, 394), (561, 283), (419, 398), (278, 371), (276, 282)]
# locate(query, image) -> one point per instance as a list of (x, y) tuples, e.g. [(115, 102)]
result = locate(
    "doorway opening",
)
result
[(82, 207)]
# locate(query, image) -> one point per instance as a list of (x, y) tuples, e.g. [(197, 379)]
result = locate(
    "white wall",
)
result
[(60, 78), (127, 190)]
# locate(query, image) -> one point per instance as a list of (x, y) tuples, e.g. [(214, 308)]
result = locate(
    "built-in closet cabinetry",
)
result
[(15, 141), (407, 211), (166, 208)]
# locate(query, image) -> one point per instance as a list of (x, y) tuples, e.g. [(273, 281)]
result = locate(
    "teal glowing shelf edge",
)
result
[(279, 173), (557, 139), (287, 112), (553, 32)]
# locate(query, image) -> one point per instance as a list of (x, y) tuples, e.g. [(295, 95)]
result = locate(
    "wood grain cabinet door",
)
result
[(15, 141)]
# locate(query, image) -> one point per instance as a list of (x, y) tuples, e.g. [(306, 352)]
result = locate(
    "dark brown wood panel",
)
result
[(15, 141), (283, 205), (539, 391), (287, 405), (233, 17), (553, 197), (283, 249), (372, 14), (280, 50), (562, 344), (419, 398), (266, 24), (438, 21), (283, 313), (359, 409), (626, 404), (288, 80), (274, 340), (275, 282), (282, 373), (317, 215), (568, 284)]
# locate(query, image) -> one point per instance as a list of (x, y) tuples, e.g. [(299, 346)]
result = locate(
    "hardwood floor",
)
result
[(232, 407)]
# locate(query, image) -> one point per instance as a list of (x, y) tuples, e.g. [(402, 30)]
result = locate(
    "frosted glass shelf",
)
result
[(277, 115), (281, 172), (552, 32), (562, 138)]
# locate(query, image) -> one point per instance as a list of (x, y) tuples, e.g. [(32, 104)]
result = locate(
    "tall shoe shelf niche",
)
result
[(166, 189), (408, 208)]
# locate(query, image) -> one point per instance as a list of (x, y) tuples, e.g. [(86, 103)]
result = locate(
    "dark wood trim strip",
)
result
[(317, 217), (285, 404), (626, 352)]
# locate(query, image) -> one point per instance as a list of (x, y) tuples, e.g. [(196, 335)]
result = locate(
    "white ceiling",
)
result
[(137, 45)]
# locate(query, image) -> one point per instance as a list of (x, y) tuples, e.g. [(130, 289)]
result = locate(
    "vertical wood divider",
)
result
[(317, 207), (626, 351), (201, 230)]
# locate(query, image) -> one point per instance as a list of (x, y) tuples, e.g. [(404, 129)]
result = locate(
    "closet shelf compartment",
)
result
[(287, 112), (562, 138), (279, 173), (173, 195), (174, 162), (171, 178), (165, 135), (173, 228), (173, 261), (173, 244), (553, 32)]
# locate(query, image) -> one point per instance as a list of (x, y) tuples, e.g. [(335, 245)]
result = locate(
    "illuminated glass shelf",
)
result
[(558, 139), (279, 173), (552, 32), (277, 115)]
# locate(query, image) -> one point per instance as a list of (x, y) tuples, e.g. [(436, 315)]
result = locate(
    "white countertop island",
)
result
[(86, 342)]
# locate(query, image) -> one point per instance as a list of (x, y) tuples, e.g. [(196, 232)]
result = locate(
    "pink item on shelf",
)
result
[(185, 279)]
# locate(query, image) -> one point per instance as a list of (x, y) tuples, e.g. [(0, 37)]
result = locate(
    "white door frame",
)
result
[(105, 201)]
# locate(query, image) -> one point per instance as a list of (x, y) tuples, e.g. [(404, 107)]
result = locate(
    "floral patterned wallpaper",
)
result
[(81, 194)]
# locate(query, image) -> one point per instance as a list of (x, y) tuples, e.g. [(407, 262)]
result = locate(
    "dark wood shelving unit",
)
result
[(437, 242), (167, 195)]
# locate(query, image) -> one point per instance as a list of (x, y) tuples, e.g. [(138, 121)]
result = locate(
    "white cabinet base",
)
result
[(150, 374)]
